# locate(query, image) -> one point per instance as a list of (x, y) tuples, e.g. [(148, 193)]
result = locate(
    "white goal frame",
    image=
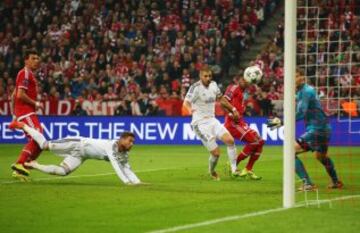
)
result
[(289, 104)]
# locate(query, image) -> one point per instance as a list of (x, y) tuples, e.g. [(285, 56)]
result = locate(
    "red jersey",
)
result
[(25, 80), (235, 95)]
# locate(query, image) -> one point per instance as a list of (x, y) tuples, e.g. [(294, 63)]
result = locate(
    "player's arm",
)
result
[(303, 106), (21, 94), (190, 97), (121, 172), (130, 174), (12, 103), (229, 108), (187, 106)]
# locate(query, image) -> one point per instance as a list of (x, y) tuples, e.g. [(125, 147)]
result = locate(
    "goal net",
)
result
[(328, 50)]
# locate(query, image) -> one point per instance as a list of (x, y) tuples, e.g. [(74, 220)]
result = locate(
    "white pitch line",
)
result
[(88, 175), (248, 215)]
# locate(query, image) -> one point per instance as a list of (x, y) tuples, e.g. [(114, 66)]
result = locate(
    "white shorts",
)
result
[(208, 131), (70, 148)]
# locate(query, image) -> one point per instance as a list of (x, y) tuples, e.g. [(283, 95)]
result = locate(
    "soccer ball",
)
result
[(253, 74)]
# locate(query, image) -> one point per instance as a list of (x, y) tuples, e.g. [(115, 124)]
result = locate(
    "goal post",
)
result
[(289, 104)]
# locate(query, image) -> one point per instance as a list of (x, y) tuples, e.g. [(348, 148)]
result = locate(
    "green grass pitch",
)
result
[(92, 199)]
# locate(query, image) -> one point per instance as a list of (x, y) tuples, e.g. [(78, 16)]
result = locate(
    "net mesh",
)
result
[(328, 51)]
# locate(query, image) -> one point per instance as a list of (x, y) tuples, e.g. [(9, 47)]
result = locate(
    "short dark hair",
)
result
[(29, 52), (127, 134), (300, 71)]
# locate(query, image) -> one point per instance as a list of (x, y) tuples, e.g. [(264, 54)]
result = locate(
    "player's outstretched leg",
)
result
[(49, 169), (36, 135), (68, 165)]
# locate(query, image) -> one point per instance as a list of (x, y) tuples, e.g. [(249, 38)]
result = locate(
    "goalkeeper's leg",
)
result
[(301, 146), (330, 169)]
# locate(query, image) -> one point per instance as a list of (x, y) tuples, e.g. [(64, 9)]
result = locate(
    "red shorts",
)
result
[(242, 131), (33, 122)]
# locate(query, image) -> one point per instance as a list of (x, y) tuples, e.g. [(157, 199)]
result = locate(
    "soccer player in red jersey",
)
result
[(25, 106), (240, 130)]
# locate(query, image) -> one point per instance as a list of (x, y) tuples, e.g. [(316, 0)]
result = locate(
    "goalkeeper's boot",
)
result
[(20, 177), (215, 176), (336, 185), (307, 187), (18, 167), (16, 125), (249, 173)]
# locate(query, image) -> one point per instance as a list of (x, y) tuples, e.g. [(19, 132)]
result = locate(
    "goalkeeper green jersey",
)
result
[(309, 108)]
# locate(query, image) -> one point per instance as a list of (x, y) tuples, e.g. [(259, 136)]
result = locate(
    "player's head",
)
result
[(239, 80), (242, 82), (126, 141), (205, 76), (299, 77), (32, 59)]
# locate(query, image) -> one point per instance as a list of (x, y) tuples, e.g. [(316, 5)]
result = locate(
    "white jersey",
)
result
[(88, 148), (202, 100)]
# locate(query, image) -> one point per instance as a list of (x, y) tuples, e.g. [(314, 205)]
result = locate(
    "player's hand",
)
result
[(274, 123), (235, 115), (39, 105)]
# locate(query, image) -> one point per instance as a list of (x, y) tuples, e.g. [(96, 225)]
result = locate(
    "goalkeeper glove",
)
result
[(274, 123)]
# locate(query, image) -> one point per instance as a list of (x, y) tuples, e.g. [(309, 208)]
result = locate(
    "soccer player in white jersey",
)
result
[(76, 150), (200, 101)]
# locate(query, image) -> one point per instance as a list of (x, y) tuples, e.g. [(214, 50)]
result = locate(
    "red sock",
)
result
[(252, 160), (36, 151), (244, 153), (24, 156)]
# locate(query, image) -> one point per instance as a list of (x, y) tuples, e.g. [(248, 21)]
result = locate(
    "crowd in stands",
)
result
[(328, 49), (145, 54), (142, 53)]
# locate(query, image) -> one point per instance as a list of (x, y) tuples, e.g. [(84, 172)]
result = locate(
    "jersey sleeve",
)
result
[(122, 169), (22, 80), (218, 91), (192, 94), (131, 175), (119, 169), (303, 105), (229, 93)]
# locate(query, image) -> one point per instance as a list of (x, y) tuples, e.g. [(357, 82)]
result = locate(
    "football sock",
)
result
[(330, 168), (252, 160), (231, 151), (213, 160), (24, 156), (301, 171), (50, 169), (36, 135), (248, 149)]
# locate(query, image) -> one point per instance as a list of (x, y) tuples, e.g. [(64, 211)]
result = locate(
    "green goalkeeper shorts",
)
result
[(315, 141)]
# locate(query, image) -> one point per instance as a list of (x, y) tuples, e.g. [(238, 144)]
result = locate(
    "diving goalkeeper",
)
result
[(317, 135), (76, 150)]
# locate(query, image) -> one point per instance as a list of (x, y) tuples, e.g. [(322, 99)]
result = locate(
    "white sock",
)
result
[(50, 169), (232, 154), (213, 160), (36, 135)]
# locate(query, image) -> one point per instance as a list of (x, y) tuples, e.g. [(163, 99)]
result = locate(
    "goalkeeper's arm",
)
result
[(274, 123)]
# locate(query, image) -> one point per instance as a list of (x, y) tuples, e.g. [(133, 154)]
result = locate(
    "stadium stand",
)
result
[(143, 55)]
